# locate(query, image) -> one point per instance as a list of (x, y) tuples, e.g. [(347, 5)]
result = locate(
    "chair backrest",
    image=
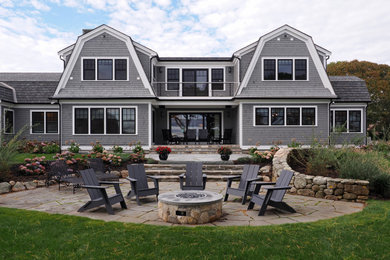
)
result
[(250, 171), (89, 178), (137, 171), (283, 181), (227, 134), (165, 133), (191, 134), (97, 165), (58, 168), (203, 135), (194, 176)]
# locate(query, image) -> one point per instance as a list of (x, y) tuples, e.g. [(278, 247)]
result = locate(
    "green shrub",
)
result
[(51, 148), (97, 147), (244, 160), (252, 150), (138, 148), (117, 149), (74, 147), (321, 161), (294, 143)]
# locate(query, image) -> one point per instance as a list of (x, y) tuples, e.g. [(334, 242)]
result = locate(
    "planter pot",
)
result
[(163, 156), (225, 157)]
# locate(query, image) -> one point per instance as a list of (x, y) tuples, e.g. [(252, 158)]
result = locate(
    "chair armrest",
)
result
[(131, 179), (255, 179), (152, 177), (204, 175), (94, 187), (233, 177), (110, 182), (264, 183), (278, 188), (182, 175)]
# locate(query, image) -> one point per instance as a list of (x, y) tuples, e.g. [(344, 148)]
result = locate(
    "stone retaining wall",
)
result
[(11, 186), (318, 186)]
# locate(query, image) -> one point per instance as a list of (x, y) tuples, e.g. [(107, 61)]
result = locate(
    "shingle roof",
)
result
[(33, 92), (30, 76), (195, 58), (6, 94), (350, 89)]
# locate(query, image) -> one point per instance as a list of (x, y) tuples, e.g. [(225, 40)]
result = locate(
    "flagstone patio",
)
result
[(51, 200)]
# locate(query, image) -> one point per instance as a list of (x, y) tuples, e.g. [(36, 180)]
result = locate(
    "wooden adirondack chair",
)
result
[(100, 170), (98, 193), (59, 171), (194, 179), (139, 182), (274, 195), (245, 188)]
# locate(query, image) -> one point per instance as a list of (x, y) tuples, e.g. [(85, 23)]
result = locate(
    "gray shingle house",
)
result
[(118, 91)]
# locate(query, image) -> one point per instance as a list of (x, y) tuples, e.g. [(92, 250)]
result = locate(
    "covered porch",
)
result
[(195, 125)]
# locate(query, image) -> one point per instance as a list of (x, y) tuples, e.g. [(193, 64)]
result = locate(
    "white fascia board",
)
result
[(194, 64), (196, 103), (66, 51), (323, 50), (80, 43), (246, 49), (297, 34), (11, 88), (104, 101), (144, 49)]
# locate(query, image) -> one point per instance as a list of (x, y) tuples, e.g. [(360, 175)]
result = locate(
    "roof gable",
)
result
[(295, 33), (87, 36)]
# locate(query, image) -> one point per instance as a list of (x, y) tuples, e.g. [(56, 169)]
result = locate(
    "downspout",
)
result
[(62, 58), (329, 124), (60, 124)]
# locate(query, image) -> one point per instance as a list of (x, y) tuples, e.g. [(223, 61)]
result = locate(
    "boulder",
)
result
[(331, 185), (357, 189), (5, 187), (293, 190), (309, 186), (362, 197), (266, 178), (265, 169), (319, 180), (12, 183), (328, 191), (331, 197), (124, 173), (30, 185), (340, 186), (116, 173), (338, 192), (349, 196), (315, 187), (300, 182), (306, 192), (18, 187), (320, 194)]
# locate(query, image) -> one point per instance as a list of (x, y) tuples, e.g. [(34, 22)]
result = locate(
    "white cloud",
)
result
[(39, 5)]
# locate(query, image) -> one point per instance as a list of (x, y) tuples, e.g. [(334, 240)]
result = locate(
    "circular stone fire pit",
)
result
[(190, 207)]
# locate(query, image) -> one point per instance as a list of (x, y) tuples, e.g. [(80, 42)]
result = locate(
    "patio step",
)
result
[(199, 149)]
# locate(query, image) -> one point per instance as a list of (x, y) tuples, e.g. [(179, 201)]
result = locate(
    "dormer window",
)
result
[(105, 68), (288, 69)]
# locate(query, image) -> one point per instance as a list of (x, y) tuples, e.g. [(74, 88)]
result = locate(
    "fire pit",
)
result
[(190, 207)]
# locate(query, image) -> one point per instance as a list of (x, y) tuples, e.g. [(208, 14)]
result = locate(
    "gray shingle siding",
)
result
[(107, 140), (145, 62), (289, 89), (244, 63), (109, 46), (6, 94), (267, 135)]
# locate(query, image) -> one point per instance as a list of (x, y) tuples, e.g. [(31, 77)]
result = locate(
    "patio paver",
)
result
[(51, 200)]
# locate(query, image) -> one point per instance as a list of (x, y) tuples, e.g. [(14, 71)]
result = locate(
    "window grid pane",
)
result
[(105, 69), (128, 121), (89, 69), (97, 120), (120, 69), (341, 121), (81, 121), (293, 116), (38, 121), (269, 69), (262, 116), (173, 76), (9, 122), (217, 76), (285, 69), (51, 122), (277, 116), (300, 69), (354, 121), (308, 116), (113, 123)]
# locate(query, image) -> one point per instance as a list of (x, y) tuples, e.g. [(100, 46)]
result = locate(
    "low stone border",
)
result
[(13, 186), (318, 186)]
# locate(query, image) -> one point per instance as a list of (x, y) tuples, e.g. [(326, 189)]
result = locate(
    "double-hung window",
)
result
[(44, 122), (105, 68), (8, 121), (104, 120), (346, 120), (285, 116), (173, 79), (285, 69), (217, 79)]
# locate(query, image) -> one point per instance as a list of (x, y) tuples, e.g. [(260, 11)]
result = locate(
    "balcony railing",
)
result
[(194, 89)]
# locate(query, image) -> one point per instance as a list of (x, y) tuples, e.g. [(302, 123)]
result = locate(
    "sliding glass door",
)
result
[(195, 82), (179, 123)]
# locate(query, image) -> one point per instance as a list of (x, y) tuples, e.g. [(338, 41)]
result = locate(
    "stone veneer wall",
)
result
[(318, 186)]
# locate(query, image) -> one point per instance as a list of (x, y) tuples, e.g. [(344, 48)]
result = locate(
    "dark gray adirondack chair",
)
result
[(100, 170), (139, 182), (227, 136), (245, 188), (59, 171), (274, 195), (167, 136), (191, 135), (194, 179), (98, 193), (203, 136)]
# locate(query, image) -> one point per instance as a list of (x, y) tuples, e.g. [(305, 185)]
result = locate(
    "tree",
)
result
[(377, 77)]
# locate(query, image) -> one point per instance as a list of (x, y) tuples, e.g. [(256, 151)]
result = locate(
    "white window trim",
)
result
[(332, 110), (223, 79), (13, 119), (105, 119), (209, 77), (44, 121), (293, 68), (96, 68), (285, 116)]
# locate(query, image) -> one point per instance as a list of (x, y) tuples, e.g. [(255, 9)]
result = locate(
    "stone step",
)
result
[(207, 172), (175, 178), (183, 166), (200, 149)]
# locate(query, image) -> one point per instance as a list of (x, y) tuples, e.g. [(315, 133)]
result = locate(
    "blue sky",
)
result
[(33, 31)]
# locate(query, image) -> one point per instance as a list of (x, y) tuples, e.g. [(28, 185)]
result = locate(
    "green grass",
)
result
[(29, 234)]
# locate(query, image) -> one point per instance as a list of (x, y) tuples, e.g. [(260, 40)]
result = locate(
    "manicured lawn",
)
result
[(29, 234)]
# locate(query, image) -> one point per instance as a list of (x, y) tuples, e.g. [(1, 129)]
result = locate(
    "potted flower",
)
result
[(163, 152), (225, 152)]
